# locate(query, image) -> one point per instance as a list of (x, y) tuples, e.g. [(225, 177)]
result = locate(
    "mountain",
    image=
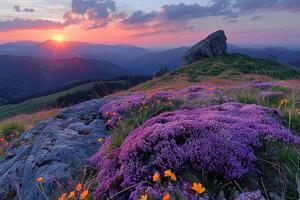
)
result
[(135, 59), (25, 76), (282, 54), (125, 54), (153, 61)]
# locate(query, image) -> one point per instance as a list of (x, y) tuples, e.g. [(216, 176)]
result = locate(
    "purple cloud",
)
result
[(39, 24), (97, 13)]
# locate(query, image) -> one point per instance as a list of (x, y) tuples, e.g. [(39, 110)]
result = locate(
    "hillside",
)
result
[(226, 69), (26, 76), (80, 93), (195, 110)]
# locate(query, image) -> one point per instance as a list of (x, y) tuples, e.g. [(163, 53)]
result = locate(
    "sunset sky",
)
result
[(151, 23)]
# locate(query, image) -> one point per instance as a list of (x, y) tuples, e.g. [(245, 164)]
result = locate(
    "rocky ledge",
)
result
[(57, 150)]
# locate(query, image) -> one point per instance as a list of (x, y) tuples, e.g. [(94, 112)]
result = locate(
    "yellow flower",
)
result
[(78, 187), (71, 195), (284, 102), (144, 197), (63, 196), (40, 179), (156, 177), (169, 173), (197, 187), (84, 195), (167, 196)]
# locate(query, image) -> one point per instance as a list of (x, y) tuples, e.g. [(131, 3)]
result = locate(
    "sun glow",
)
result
[(58, 38)]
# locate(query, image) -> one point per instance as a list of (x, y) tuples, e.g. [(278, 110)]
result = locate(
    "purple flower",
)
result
[(270, 95), (218, 140), (251, 196)]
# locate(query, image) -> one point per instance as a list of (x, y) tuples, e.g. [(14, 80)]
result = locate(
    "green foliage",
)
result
[(136, 117), (291, 110), (280, 164), (65, 98), (11, 131), (232, 66)]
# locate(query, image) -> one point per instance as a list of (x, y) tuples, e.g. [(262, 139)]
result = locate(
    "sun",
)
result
[(58, 38)]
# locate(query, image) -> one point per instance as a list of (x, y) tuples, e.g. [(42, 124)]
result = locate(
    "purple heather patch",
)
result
[(251, 196), (270, 95), (114, 110), (219, 140)]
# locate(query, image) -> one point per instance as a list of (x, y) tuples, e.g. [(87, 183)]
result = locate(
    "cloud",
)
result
[(256, 18), (172, 18), (18, 9), (21, 24), (90, 14)]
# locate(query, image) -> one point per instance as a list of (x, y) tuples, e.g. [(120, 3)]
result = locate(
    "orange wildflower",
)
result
[(40, 179), (63, 196), (169, 173), (78, 187), (100, 140), (167, 196), (284, 102), (144, 197), (156, 177), (173, 177), (197, 187), (84, 195), (71, 195)]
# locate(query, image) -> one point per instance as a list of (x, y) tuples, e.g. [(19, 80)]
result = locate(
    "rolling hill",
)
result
[(25, 76), (73, 95)]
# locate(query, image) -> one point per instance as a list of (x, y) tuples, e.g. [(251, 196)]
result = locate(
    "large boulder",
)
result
[(57, 150), (215, 44)]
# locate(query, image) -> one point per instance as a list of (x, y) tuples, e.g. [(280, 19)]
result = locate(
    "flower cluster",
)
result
[(219, 140), (269, 95), (78, 193), (113, 111)]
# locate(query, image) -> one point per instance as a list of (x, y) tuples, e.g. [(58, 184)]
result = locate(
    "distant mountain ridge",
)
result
[(25, 76), (135, 59)]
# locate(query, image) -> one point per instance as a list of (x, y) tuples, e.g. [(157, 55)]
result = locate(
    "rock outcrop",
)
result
[(215, 44), (57, 150)]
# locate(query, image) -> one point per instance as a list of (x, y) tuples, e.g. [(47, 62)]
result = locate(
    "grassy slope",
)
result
[(234, 65), (228, 69), (41, 103)]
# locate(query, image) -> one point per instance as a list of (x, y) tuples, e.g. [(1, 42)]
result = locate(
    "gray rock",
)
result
[(57, 150), (215, 44)]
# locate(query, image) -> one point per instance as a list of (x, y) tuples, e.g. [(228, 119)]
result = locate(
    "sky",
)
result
[(151, 23)]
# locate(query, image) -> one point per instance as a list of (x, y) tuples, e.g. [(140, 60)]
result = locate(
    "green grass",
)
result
[(11, 131), (41, 103), (136, 117), (232, 66), (290, 110)]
